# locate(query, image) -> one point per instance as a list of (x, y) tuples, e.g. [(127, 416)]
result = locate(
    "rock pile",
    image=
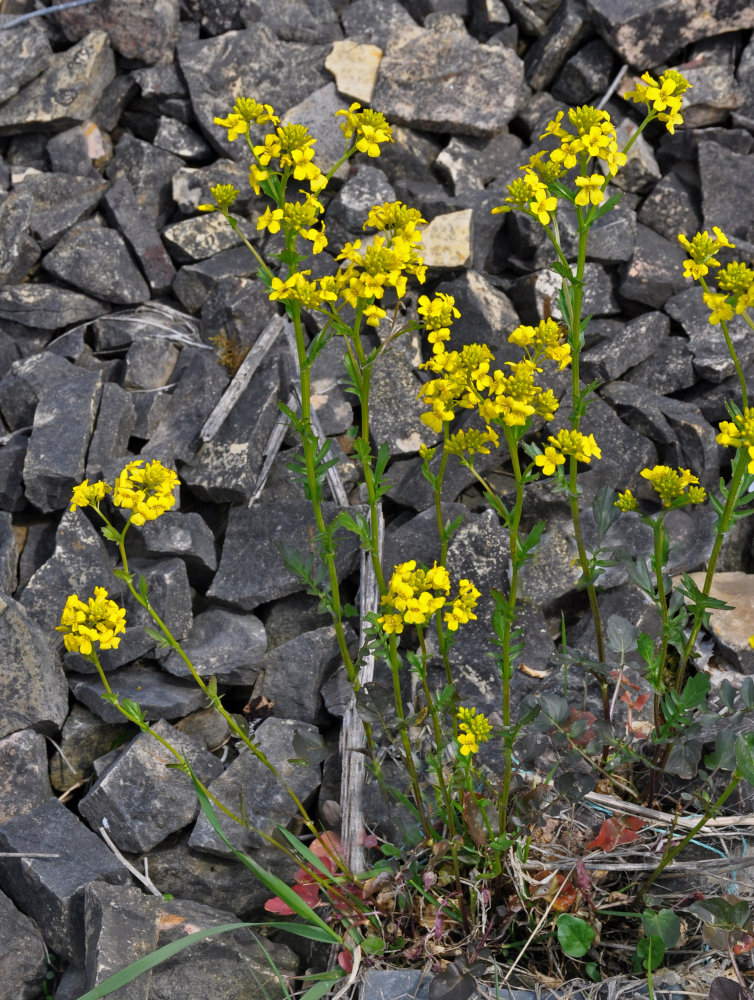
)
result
[(114, 292)]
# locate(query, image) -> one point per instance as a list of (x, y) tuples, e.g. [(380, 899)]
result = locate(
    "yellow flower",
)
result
[(462, 609), (542, 204), (270, 219), (86, 494), (671, 485), (369, 127), (720, 309), (591, 189), (147, 490), (739, 433), (627, 502), (549, 460), (100, 621), (474, 729)]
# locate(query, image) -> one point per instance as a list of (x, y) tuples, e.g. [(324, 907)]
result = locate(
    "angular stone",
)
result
[(203, 236), (726, 178), (318, 112), (8, 555), (247, 62), (25, 52), (66, 92), (293, 673), (24, 384), (222, 643), (712, 359), (566, 31), (383, 23), (149, 363), (671, 370), (59, 201), (248, 786), (535, 293), (12, 457), (63, 425), (116, 419), (446, 240), (80, 150), (586, 74), (126, 215), (121, 926), (647, 33), (18, 250), (194, 283), (418, 535), (331, 402), (655, 271), (39, 545), (235, 964), (140, 30), (713, 93), (251, 568), (227, 467), (470, 163), (638, 340), (732, 628), (288, 617), (641, 171), (50, 890), (182, 140), (141, 798), (23, 957), (185, 535), (444, 81), (354, 67), (46, 306), (149, 171), (671, 209), (395, 410), (159, 695), (96, 260), (215, 17), (487, 316), (85, 737), (192, 187), (79, 564), (612, 237), (23, 765)]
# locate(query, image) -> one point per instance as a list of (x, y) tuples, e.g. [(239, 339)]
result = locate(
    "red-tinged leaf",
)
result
[(745, 943), (616, 830), (345, 961), (369, 840), (637, 703), (308, 891), (582, 877), (327, 843)]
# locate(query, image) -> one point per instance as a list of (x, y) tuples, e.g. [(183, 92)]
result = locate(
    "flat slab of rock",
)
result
[(23, 766), (25, 52), (50, 890), (222, 643), (47, 307), (121, 925), (159, 695), (23, 957), (733, 628), (141, 30), (96, 260)]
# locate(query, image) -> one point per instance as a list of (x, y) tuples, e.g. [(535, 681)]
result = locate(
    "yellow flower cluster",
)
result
[(471, 442), (474, 729), (545, 340), (438, 315), (246, 111), (736, 279), (99, 621), (147, 490), (702, 250), (369, 128), (672, 485), (297, 217), (415, 595), (88, 494), (662, 97), (739, 433), (583, 447)]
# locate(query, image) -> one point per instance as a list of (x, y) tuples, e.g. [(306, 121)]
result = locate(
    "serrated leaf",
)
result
[(575, 935)]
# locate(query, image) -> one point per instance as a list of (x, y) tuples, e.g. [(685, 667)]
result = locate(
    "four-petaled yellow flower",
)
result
[(88, 494), (100, 621), (591, 189)]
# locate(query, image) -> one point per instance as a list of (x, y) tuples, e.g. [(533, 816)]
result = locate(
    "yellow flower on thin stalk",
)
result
[(147, 490), (474, 728), (100, 621)]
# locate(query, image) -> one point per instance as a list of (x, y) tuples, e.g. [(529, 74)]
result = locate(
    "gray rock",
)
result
[(648, 33), (8, 555), (714, 92), (470, 163), (182, 140), (638, 340), (161, 87), (116, 419), (247, 62), (488, 18), (732, 628), (149, 171), (307, 21), (487, 315), (192, 186), (141, 798), (367, 186), (671, 209), (292, 675), (185, 535), (288, 617), (66, 92), (149, 363), (441, 80), (330, 400), (22, 387), (194, 283), (23, 764), (23, 957), (203, 236), (641, 171), (63, 425), (530, 294), (383, 23), (18, 250), (222, 643), (39, 545), (159, 695), (566, 31), (146, 32), (395, 411), (227, 467), (25, 52), (666, 372), (47, 306), (235, 963), (317, 111), (96, 260), (237, 310), (79, 564), (85, 737), (215, 17), (12, 457), (586, 74), (59, 201), (612, 237), (248, 788), (712, 359), (417, 537), (251, 568), (80, 150), (125, 214), (50, 890), (725, 178), (655, 271), (121, 926)]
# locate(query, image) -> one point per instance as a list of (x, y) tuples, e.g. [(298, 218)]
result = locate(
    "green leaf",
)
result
[(621, 635), (574, 935), (604, 509), (745, 755), (276, 885), (309, 747), (664, 924), (651, 951), (122, 574), (111, 534), (727, 694), (747, 692), (317, 990), (724, 754)]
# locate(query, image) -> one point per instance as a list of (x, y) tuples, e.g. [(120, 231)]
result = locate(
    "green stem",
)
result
[(733, 354), (658, 530)]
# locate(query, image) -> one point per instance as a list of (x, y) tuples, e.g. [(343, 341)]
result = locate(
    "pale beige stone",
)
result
[(733, 628), (354, 67), (446, 240)]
